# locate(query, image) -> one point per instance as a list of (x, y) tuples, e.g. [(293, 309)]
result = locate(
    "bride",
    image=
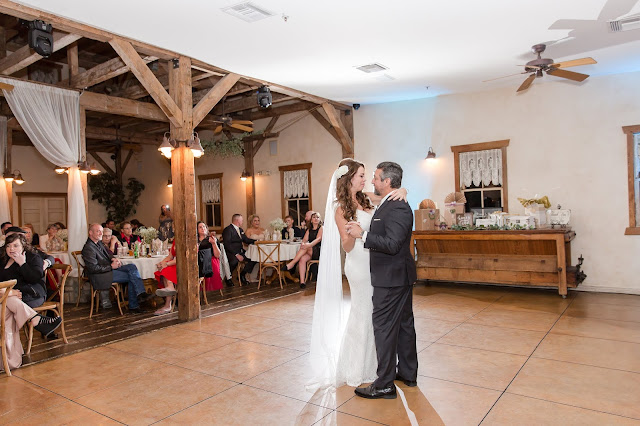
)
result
[(344, 351)]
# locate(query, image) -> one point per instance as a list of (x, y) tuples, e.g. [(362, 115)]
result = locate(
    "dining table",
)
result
[(288, 250), (65, 259), (146, 265)]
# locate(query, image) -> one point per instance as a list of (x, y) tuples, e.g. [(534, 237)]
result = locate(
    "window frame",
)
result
[(302, 166), (482, 146), (630, 131), (202, 204)]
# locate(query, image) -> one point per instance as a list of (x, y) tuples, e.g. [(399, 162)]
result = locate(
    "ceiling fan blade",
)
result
[(527, 83), (505, 76), (243, 122), (575, 76), (574, 63), (217, 129), (241, 127)]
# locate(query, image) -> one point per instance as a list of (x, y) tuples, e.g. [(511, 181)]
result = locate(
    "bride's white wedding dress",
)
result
[(357, 362)]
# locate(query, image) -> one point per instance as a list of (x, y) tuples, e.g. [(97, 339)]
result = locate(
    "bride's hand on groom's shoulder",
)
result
[(399, 194)]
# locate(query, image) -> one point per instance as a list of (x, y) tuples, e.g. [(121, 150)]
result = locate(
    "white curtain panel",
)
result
[(211, 190), (5, 214), (51, 119), (296, 183), (481, 167)]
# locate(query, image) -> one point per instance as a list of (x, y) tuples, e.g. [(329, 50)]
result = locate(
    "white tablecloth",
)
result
[(67, 260), (146, 265), (287, 251)]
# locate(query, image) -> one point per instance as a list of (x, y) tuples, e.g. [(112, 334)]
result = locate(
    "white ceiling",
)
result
[(450, 46)]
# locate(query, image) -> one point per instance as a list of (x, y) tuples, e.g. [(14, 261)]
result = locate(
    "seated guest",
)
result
[(165, 228), (135, 224), (5, 226), (309, 250), (111, 224), (47, 258), (32, 237), (126, 234), (290, 229), (103, 269), (60, 225), (233, 237), (17, 315), (110, 241), (167, 276), (306, 221), (18, 261), (209, 241), (255, 231), (51, 242)]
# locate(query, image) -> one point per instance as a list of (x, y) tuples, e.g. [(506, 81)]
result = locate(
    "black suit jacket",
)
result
[(97, 264), (233, 242), (389, 242), (30, 276)]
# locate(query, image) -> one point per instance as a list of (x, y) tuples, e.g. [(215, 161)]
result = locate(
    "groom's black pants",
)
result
[(394, 333)]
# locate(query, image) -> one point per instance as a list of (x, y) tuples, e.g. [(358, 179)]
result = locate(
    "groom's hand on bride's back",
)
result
[(399, 194)]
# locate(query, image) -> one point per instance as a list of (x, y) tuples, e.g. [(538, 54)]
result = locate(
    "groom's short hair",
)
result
[(393, 171)]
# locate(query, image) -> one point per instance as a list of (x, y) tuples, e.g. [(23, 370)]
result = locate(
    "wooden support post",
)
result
[(347, 120), (184, 202), (72, 61), (250, 183)]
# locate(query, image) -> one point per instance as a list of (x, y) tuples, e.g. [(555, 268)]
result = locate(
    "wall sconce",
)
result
[(245, 174), (169, 183), (16, 177), (431, 155), (169, 145), (60, 170)]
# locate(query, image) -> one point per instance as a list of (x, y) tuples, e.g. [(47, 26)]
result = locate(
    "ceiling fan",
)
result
[(227, 122), (537, 67)]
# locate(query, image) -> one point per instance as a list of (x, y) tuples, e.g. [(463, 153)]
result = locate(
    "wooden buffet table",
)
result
[(540, 257)]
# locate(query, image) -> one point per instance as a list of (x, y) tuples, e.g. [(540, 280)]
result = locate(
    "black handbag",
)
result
[(204, 263)]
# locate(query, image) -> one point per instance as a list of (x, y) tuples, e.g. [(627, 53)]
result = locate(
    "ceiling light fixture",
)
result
[(8, 176), (431, 156), (84, 167), (60, 170), (245, 174), (264, 97), (169, 183), (168, 145), (40, 38), (17, 177)]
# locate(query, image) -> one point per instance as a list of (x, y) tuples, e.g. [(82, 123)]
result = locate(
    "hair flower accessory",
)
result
[(342, 170)]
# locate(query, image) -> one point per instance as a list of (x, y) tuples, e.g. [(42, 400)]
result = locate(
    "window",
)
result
[(295, 183), (481, 174), (210, 188), (633, 167)]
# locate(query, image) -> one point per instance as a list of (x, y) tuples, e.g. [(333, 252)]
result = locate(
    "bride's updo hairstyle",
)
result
[(343, 190)]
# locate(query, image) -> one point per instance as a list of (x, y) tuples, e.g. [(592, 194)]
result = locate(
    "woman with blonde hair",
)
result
[(255, 231)]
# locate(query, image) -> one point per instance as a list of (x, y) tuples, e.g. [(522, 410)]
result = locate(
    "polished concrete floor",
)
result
[(488, 355)]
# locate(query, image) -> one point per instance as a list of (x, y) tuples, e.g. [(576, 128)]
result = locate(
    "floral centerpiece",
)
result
[(148, 234), (277, 225), (64, 235)]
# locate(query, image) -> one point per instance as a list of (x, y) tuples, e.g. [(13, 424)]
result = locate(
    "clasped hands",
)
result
[(354, 229), (115, 263)]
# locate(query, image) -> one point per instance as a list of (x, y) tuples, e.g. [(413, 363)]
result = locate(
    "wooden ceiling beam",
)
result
[(326, 124), (105, 133), (25, 56), (103, 72), (338, 126), (214, 95), (120, 106), (103, 163), (273, 111), (129, 55)]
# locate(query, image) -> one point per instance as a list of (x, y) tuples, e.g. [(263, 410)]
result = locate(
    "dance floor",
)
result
[(489, 355)]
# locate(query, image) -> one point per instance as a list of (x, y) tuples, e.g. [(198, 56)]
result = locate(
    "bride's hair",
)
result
[(343, 191)]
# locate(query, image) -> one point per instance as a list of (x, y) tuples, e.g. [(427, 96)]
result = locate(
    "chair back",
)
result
[(66, 270), (268, 252), (7, 286), (77, 256)]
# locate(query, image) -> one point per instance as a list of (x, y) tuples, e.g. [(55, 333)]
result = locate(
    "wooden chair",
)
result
[(50, 304), (82, 278), (269, 255), (309, 263), (117, 290), (7, 286)]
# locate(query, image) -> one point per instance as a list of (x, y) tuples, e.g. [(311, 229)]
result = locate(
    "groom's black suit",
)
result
[(393, 272)]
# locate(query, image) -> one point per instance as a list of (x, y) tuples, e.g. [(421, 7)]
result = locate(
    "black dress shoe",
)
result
[(230, 283), (135, 311), (410, 383), (303, 286), (243, 280), (48, 325), (283, 267), (371, 392)]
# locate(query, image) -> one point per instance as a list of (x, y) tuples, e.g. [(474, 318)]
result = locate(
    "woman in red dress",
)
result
[(167, 276), (205, 241)]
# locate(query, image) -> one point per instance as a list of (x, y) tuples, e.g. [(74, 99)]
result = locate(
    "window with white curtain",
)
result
[(296, 190), (211, 201), (481, 175)]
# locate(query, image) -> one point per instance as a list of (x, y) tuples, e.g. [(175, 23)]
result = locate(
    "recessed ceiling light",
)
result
[(369, 68), (247, 11)]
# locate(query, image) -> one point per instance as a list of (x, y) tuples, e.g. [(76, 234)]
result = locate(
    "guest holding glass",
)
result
[(165, 230), (255, 231), (51, 241), (30, 233), (309, 250), (291, 231), (167, 277), (209, 241)]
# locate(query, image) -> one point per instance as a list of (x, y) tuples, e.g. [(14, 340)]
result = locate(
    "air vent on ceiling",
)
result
[(384, 77), (625, 24), (247, 11), (369, 68)]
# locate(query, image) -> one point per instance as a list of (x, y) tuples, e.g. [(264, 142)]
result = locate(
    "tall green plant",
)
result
[(120, 201)]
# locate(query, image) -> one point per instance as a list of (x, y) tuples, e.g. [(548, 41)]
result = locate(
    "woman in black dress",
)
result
[(18, 261), (309, 250)]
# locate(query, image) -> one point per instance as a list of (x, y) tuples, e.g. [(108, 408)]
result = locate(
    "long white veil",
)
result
[(328, 315)]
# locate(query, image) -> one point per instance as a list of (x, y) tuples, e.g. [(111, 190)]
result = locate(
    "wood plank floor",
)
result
[(109, 326)]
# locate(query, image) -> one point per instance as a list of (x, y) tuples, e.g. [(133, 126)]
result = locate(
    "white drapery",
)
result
[(5, 214), (211, 190), (51, 119), (296, 183), (481, 167)]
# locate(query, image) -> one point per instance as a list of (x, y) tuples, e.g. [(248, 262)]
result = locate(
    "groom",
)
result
[(393, 272)]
